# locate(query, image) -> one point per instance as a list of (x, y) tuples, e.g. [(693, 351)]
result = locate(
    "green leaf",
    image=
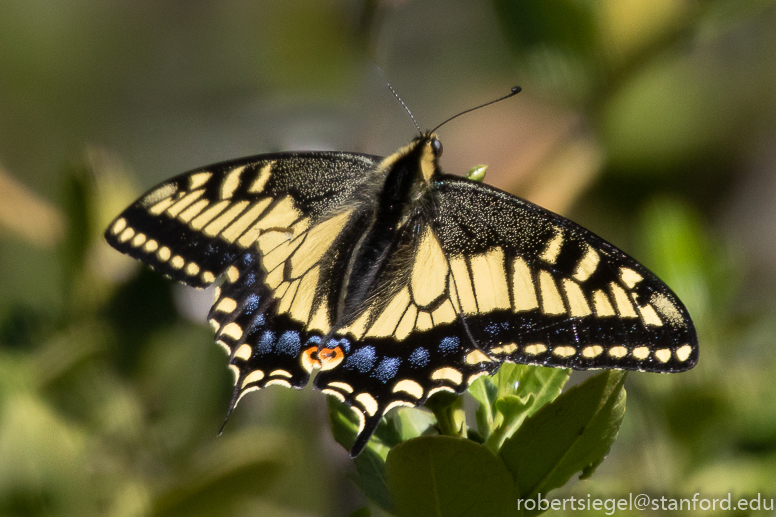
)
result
[(370, 464), (484, 391), (361, 512), (448, 410), (512, 406), (569, 435), (533, 385), (443, 476), (411, 422), (544, 383)]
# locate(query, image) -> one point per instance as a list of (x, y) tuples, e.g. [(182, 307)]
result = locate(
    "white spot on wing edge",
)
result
[(447, 373), (564, 351), (618, 351), (244, 352), (344, 386), (410, 387), (127, 234), (535, 349), (368, 401), (254, 376), (233, 330), (592, 351), (683, 352), (118, 226), (640, 353)]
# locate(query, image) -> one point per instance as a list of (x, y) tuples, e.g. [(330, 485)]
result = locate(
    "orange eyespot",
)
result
[(325, 359), (330, 357), (310, 360)]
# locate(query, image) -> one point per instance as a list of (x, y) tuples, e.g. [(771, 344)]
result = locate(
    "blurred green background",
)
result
[(651, 122)]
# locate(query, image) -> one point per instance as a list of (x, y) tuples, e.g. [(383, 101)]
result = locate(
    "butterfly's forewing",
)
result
[(192, 227), (536, 288)]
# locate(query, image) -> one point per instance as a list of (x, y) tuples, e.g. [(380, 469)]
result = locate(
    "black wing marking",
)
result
[(536, 288), (192, 227)]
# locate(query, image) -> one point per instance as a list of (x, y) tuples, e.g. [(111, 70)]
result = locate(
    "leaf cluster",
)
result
[(528, 439)]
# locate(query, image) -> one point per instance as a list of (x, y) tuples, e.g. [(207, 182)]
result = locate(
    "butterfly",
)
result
[(391, 280)]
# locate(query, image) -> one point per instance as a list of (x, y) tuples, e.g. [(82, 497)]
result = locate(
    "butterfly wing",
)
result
[(194, 226), (262, 224), (536, 288)]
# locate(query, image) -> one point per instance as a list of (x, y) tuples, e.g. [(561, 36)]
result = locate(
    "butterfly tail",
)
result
[(370, 424)]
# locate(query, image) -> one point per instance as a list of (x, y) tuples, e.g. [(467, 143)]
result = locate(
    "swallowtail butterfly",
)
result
[(395, 280)]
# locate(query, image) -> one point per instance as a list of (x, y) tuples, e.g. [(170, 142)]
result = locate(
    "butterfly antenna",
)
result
[(515, 91), (405, 107)]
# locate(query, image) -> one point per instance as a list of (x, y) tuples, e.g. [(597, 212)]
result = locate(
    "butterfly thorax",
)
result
[(406, 175)]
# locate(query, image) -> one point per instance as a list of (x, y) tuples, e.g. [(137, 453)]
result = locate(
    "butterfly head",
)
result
[(429, 149)]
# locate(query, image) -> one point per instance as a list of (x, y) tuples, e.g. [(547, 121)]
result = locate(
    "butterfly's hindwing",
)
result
[(378, 374), (264, 347)]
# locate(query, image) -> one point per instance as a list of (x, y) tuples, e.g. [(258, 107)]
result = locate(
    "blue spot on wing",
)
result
[(249, 280), (251, 303), (387, 369), (289, 343), (267, 340), (257, 322), (449, 345), (362, 359), (419, 357)]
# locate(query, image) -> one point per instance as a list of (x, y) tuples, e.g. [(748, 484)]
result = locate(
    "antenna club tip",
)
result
[(516, 89)]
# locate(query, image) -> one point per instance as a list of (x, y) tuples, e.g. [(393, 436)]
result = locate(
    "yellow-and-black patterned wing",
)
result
[(262, 224), (194, 226), (536, 288)]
